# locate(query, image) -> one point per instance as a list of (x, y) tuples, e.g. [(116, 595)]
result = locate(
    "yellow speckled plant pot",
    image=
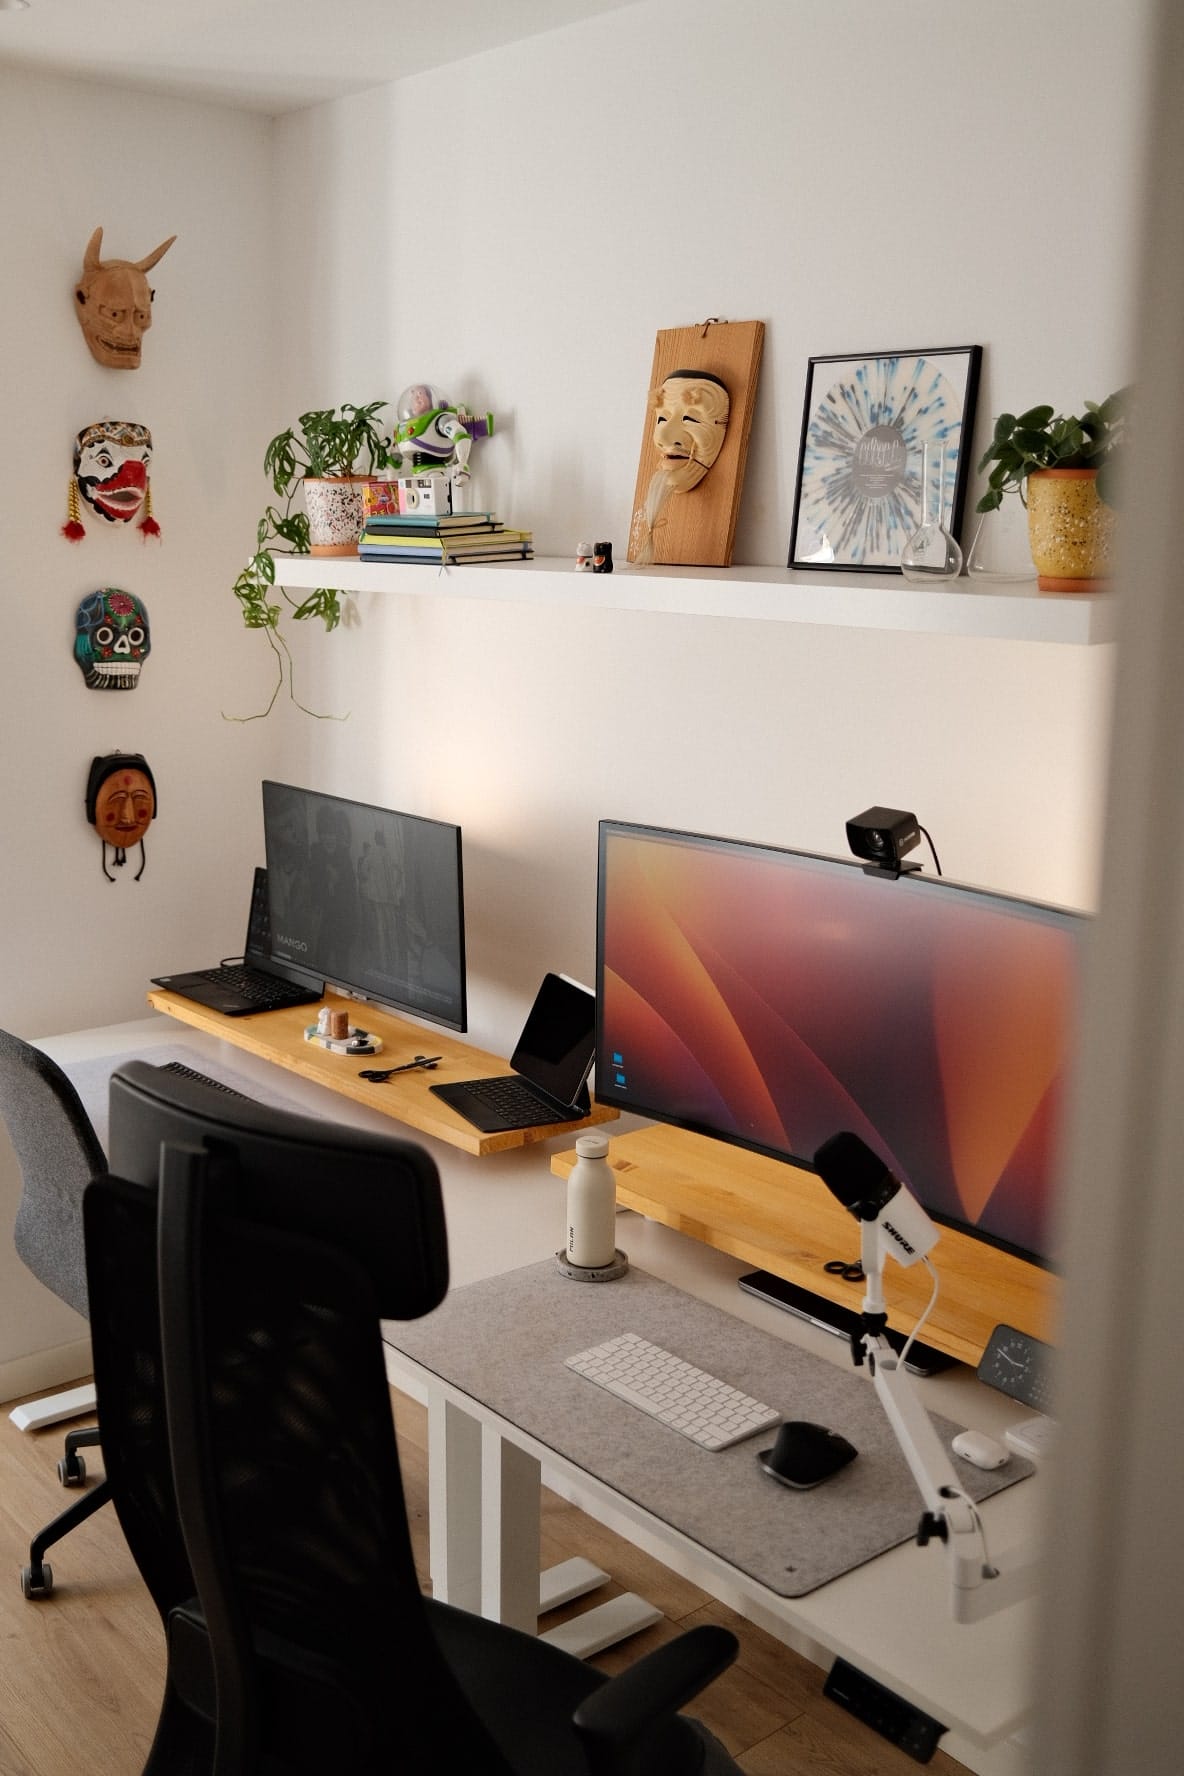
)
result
[(1070, 530)]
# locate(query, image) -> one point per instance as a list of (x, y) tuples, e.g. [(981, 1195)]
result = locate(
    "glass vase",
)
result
[(1000, 550), (931, 554)]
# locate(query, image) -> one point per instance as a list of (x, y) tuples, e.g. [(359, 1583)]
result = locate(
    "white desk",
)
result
[(889, 1617)]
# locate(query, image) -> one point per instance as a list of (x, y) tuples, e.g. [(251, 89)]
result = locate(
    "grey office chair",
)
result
[(58, 1153)]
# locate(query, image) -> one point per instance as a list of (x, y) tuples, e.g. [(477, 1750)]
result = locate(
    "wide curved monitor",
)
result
[(774, 998), (367, 899)]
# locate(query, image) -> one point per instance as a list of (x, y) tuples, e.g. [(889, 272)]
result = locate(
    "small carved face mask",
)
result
[(690, 418), (113, 301), (111, 639), (121, 805)]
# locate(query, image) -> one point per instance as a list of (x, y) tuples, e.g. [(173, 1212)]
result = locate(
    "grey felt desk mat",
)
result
[(504, 1340)]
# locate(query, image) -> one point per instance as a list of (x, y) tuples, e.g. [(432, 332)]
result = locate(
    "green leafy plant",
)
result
[(324, 442), (1042, 439)]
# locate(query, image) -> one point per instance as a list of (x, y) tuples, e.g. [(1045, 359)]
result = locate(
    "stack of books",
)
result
[(445, 537)]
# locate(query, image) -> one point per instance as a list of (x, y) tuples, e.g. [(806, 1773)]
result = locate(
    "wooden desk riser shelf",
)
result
[(780, 1218), (278, 1036)]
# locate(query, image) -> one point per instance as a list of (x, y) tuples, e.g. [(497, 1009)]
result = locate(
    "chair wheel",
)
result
[(37, 1581), (72, 1470)]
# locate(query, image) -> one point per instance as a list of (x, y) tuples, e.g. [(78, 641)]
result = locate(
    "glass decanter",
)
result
[(931, 554)]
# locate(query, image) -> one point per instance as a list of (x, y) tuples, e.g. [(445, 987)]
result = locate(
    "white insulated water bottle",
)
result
[(591, 1206)]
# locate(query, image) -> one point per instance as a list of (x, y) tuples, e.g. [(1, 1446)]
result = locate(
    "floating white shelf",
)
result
[(1012, 611)]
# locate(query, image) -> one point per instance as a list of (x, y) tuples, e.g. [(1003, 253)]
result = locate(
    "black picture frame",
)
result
[(857, 496)]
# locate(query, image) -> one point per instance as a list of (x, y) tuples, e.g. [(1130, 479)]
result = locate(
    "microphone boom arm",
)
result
[(979, 1587)]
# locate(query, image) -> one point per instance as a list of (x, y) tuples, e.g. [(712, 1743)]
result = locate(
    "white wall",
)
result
[(519, 227), (74, 949), (858, 177)]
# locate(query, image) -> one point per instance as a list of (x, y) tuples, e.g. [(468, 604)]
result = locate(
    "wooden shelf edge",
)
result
[(278, 1037), (780, 1218)]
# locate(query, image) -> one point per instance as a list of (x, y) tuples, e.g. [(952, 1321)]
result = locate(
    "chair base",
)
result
[(37, 1577)]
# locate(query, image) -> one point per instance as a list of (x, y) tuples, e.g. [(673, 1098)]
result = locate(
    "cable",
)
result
[(936, 864), (989, 1569), (932, 1303)]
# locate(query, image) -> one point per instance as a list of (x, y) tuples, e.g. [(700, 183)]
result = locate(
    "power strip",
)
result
[(885, 1712)]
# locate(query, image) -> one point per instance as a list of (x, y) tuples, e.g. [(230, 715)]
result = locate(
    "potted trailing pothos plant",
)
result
[(332, 449), (1064, 468)]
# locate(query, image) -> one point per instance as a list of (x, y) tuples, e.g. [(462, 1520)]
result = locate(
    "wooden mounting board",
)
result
[(278, 1036), (698, 528), (781, 1218)]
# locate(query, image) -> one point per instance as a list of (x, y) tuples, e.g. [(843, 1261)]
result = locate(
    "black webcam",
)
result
[(883, 836)]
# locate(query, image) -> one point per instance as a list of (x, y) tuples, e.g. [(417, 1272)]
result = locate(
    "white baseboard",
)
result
[(43, 1371)]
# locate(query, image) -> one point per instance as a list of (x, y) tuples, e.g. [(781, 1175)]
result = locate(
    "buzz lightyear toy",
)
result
[(433, 437)]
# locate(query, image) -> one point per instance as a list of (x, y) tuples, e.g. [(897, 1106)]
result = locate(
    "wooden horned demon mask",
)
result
[(113, 301)]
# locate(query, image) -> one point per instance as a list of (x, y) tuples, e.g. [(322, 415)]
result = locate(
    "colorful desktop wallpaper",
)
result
[(776, 999)]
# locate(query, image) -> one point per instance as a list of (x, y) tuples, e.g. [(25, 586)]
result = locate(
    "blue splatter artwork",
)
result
[(861, 462)]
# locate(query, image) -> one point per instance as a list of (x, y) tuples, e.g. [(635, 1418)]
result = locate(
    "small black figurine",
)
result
[(602, 558)]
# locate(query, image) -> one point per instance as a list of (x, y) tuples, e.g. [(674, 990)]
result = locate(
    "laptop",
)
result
[(257, 983), (551, 1062)]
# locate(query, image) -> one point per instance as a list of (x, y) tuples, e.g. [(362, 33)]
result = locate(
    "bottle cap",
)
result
[(592, 1146)]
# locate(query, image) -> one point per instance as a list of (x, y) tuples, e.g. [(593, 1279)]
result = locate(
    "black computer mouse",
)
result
[(806, 1454)]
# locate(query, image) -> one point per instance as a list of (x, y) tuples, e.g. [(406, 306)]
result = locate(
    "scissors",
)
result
[(839, 1267), (378, 1074)]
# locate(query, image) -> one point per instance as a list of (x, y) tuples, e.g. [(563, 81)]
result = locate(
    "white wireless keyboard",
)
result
[(710, 1412)]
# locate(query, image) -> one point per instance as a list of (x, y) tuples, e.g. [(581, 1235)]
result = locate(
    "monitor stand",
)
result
[(832, 1316)]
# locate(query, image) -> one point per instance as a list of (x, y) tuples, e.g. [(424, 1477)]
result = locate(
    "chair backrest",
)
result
[(267, 1252), (58, 1153)]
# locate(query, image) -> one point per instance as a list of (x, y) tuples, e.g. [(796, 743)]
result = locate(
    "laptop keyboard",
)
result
[(261, 989), (510, 1099)]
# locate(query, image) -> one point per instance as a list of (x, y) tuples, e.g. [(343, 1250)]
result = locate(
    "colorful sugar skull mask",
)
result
[(111, 459), (111, 639), (121, 805), (113, 301)]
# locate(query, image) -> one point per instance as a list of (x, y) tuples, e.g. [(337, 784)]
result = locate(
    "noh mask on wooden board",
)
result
[(113, 301), (698, 417)]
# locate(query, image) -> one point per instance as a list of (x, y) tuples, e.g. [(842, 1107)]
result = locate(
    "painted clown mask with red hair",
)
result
[(111, 459)]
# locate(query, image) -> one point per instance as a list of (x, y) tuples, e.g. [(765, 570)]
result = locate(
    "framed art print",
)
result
[(866, 419)]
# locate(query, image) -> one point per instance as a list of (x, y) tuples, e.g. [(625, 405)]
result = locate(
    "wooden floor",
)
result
[(80, 1672)]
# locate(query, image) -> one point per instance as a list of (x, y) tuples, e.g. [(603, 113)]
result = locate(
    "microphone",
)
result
[(859, 1179)]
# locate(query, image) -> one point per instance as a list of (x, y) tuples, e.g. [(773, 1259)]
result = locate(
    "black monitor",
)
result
[(368, 900), (773, 998)]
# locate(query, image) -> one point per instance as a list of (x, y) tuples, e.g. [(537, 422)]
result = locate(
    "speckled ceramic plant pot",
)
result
[(335, 515), (1070, 530)]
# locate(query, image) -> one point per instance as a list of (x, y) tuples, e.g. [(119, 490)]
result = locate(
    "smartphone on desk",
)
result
[(832, 1316)]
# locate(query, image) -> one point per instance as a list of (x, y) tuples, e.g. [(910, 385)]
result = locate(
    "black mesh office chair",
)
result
[(245, 1287), (58, 1153)]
